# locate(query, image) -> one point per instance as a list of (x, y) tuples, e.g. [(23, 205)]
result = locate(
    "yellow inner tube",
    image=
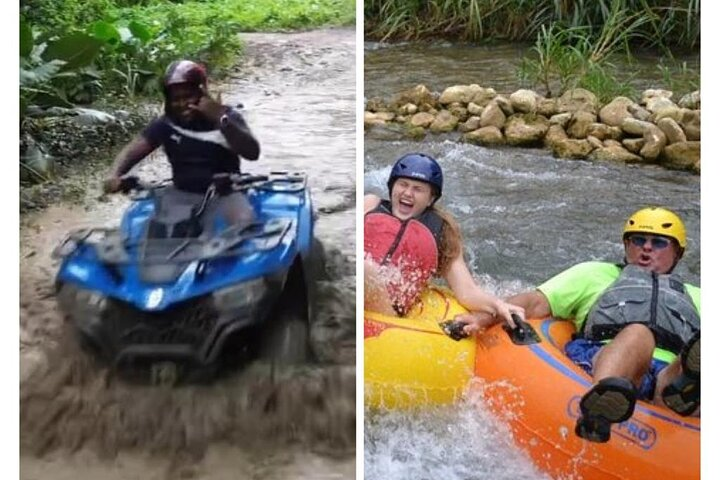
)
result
[(410, 362)]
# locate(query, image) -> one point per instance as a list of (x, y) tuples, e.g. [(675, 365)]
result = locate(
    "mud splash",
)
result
[(79, 421)]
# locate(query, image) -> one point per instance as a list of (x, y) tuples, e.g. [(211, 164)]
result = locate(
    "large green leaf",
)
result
[(77, 49), (140, 31), (26, 38), (106, 32)]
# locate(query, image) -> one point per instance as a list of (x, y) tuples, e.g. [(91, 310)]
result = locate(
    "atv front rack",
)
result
[(111, 248)]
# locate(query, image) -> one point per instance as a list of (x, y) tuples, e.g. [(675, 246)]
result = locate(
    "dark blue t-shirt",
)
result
[(195, 154)]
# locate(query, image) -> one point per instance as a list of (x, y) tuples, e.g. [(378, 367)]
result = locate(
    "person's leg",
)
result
[(377, 298), (628, 355), (234, 209), (618, 370), (678, 385), (237, 209)]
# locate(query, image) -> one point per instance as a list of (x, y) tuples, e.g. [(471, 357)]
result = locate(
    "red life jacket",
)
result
[(410, 245)]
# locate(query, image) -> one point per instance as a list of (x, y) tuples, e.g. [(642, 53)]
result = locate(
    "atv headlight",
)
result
[(241, 295)]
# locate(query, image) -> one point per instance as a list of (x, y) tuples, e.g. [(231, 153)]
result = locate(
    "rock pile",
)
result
[(575, 126)]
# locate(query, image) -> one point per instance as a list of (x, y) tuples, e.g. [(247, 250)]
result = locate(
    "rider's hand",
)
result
[(505, 310), (210, 108), (475, 322), (112, 184)]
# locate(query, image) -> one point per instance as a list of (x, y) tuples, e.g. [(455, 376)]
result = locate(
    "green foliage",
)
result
[(76, 50), (600, 80), (47, 67), (129, 42), (679, 78), (668, 22), (578, 56), (61, 16)]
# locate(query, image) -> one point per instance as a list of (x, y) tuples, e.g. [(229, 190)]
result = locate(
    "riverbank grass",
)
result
[(255, 16)]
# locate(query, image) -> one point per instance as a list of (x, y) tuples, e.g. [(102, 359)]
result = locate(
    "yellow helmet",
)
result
[(658, 221)]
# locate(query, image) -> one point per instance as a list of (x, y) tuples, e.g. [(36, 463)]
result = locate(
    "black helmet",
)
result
[(184, 71), (418, 166)]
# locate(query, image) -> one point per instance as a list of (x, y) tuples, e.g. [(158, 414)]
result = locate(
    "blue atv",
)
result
[(174, 295)]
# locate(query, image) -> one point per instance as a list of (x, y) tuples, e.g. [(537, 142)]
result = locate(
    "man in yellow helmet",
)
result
[(638, 324)]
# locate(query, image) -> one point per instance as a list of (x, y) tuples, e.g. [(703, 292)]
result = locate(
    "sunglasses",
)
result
[(657, 243)]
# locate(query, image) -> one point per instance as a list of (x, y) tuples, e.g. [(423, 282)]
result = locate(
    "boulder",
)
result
[(408, 109), (475, 109), (616, 111), (422, 119), (579, 124), (633, 145), (654, 104), (577, 99), (595, 142), (472, 123), (655, 141), (417, 95), (483, 96), (466, 94), (492, 116), (602, 131), (662, 107), (371, 119), (561, 119), (547, 107), (633, 126), (639, 113), (572, 148), (484, 136), (504, 104), (458, 111), (691, 101), (386, 116), (554, 134), (524, 101), (612, 143), (376, 104), (690, 123), (682, 156), (672, 130), (444, 122), (650, 94), (526, 129), (614, 154)]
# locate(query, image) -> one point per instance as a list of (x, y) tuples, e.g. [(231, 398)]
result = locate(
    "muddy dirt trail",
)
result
[(79, 422)]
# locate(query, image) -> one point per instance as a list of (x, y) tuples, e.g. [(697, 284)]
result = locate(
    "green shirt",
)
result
[(572, 293)]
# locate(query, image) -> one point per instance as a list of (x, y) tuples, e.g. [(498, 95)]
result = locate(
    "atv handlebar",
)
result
[(222, 183)]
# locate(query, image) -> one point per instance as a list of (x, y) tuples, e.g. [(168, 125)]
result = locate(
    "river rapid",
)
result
[(525, 216), (77, 421)]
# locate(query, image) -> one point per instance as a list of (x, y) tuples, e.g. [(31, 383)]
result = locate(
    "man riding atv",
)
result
[(217, 262), (201, 138)]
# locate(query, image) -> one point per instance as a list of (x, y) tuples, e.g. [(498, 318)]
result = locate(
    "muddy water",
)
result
[(78, 421)]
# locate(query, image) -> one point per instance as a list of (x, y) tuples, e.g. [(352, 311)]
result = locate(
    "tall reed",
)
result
[(665, 23)]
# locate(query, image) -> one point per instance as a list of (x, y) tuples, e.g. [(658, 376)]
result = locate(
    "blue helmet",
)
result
[(418, 166)]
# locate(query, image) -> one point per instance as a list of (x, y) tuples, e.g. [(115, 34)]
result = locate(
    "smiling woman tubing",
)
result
[(408, 240)]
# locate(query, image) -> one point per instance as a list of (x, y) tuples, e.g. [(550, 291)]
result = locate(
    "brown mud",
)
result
[(79, 421)]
